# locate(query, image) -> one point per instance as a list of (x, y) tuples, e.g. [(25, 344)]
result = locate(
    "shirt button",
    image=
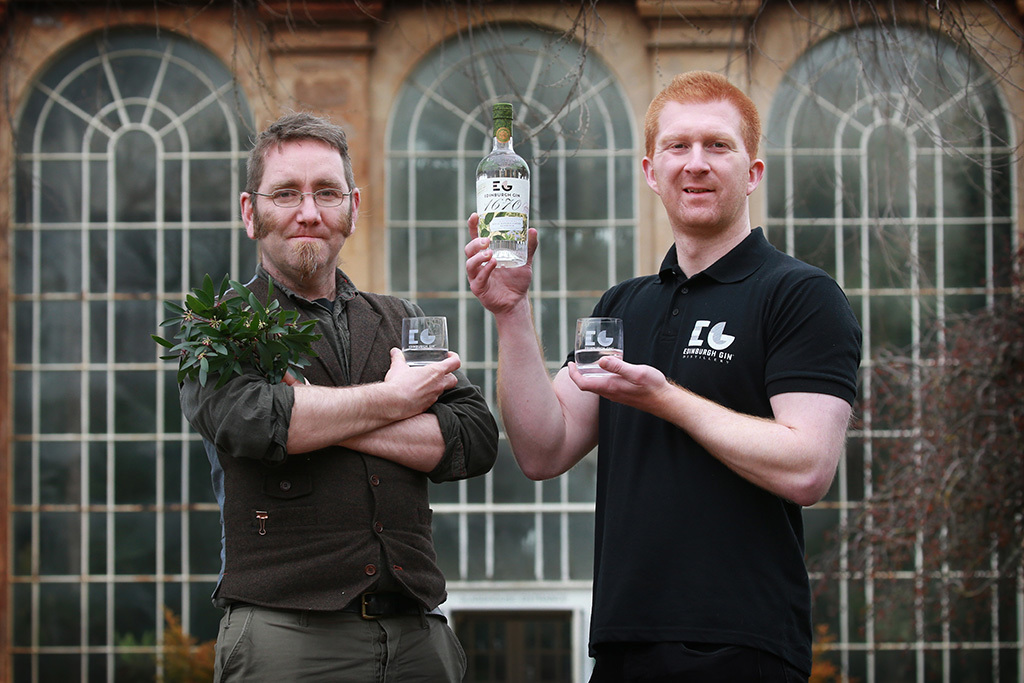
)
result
[(285, 485), (684, 290), (370, 569), (374, 480), (675, 311), (378, 527)]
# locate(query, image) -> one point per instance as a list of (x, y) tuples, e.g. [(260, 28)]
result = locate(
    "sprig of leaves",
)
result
[(221, 332)]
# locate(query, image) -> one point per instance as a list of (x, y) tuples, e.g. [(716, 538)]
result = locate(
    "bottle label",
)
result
[(504, 207), (503, 134)]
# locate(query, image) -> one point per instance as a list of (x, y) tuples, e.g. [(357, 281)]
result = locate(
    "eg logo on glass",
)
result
[(603, 339), (424, 336)]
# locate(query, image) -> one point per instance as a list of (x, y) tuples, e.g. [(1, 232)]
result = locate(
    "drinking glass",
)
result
[(595, 338), (424, 339)]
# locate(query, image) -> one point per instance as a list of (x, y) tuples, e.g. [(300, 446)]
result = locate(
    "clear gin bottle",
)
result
[(503, 194)]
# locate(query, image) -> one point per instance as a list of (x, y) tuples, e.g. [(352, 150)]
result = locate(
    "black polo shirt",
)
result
[(687, 550)]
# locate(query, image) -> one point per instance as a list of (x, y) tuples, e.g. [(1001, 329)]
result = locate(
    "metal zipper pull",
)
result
[(262, 516)]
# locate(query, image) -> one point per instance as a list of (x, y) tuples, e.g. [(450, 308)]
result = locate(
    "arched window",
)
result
[(889, 159), (577, 134), (129, 161)]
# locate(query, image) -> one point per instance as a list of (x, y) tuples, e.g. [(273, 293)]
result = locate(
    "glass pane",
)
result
[(437, 187), (398, 198), (134, 543), (60, 331), (134, 321), (510, 485), (135, 615), (135, 401), (60, 473), (515, 543), (135, 269), (22, 556), (210, 198), (174, 198), (581, 543), (25, 405), (98, 541), (446, 544), (439, 266), (587, 195), (60, 191), (134, 472), (23, 332), (586, 255), (59, 402), (64, 130), (398, 251), (59, 543), (438, 128), (814, 187), (135, 174), (22, 262), (210, 253), (204, 542), (60, 252)]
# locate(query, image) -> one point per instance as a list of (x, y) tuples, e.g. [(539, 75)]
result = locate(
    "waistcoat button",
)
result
[(370, 569), (378, 527), (374, 480), (285, 485)]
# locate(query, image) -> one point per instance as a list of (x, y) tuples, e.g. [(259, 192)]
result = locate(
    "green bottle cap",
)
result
[(502, 110)]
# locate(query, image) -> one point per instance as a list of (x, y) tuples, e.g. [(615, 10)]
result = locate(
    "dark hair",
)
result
[(291, 127), (700, 87)]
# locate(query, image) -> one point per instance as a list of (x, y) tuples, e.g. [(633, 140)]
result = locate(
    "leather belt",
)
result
[(378, 605)]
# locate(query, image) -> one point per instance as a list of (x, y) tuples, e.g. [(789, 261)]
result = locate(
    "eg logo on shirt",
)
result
[(716, 337)]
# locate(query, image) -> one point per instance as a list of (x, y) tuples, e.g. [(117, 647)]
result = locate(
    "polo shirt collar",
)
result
[(741, 262)]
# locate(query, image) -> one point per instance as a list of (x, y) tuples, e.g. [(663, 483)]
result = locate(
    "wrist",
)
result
[(517, 316)]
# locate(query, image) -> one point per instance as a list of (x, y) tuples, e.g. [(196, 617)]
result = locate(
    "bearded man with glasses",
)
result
[(328, 568)]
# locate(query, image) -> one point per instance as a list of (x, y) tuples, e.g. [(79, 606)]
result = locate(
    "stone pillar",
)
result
[(686, 35), (320, 54)]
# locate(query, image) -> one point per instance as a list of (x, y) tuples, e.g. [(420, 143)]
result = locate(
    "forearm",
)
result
[(414, 442), (545, 440), (327, 416), (794, 456)]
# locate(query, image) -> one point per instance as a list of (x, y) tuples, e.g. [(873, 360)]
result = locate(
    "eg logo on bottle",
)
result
[(424, 336), (498, 185), (716, 337), (603, 339)]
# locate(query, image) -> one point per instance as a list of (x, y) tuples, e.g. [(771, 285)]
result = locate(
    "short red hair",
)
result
[(700, 87)]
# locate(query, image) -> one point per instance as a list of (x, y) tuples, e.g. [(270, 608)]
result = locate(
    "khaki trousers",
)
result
[(280, 646)]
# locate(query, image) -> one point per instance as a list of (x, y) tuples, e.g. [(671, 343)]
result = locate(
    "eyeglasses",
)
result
[(289, 199)]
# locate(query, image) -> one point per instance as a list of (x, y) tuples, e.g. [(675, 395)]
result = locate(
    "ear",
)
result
[(756, 174), (649, 175), (354, 215), (247, 208)]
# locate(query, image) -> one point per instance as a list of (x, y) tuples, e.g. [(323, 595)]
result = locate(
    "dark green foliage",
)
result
[(224, 330)]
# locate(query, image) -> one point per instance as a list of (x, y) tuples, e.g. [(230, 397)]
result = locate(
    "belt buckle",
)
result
[(362, 611)]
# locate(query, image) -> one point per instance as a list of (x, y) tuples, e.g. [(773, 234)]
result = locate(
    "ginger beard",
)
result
[(309, 255)]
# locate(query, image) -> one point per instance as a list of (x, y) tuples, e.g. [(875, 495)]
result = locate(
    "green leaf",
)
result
[(220, 333)]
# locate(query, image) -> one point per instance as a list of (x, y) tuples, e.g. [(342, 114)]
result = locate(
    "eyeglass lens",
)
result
[(289, 199)]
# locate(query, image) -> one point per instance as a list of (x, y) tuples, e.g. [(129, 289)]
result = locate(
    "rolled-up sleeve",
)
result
[(469, 430), (246, 418)]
